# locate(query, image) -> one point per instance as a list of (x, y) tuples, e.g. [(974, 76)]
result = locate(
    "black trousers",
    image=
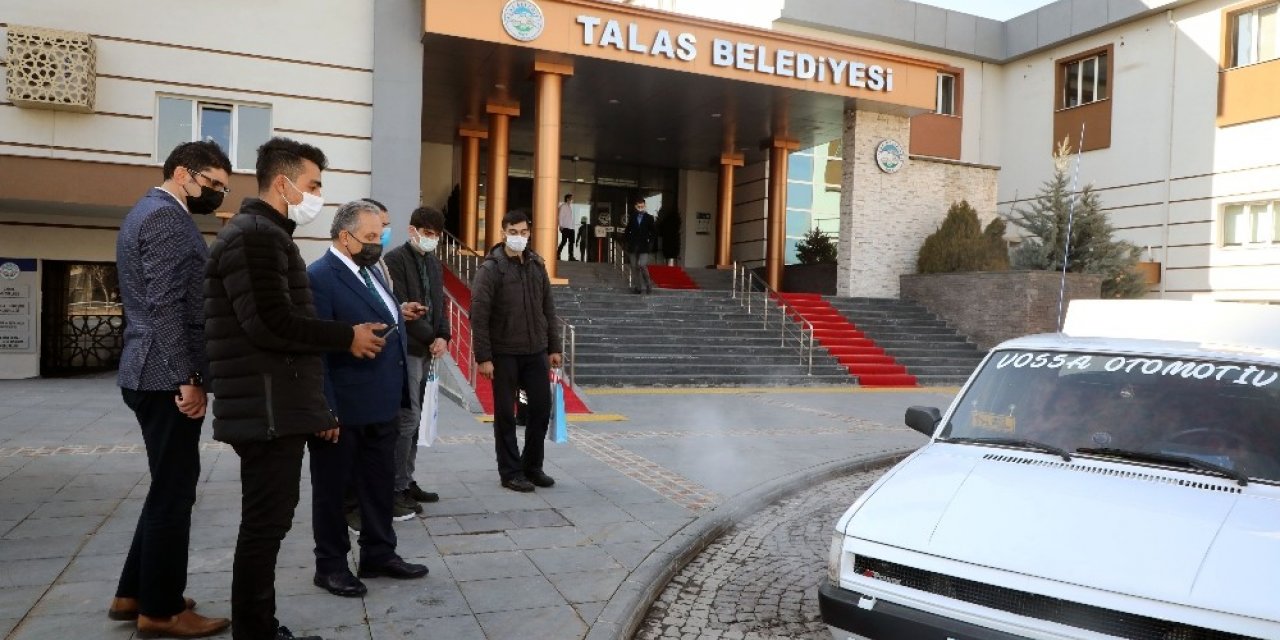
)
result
[(510, 374), (269, 475), (566, 237), (155, 571), (363, 458)]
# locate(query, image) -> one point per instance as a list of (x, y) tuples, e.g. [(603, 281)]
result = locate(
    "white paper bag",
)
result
[(430, 409)]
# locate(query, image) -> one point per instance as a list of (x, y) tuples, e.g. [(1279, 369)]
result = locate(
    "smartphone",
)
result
[(388, 332)]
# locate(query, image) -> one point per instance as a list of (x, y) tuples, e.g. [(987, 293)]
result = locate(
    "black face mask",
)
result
[(368, 254), (206, 203)]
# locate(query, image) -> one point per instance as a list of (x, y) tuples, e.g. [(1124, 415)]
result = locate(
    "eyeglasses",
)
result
[(213, 184)]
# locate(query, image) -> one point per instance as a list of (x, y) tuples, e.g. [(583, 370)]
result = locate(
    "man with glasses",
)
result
[(514, 334), (641, 237), (161, 258), (417, 277)]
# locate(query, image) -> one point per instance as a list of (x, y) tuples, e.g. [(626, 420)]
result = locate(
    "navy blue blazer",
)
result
[(160, 258), (360, 391)]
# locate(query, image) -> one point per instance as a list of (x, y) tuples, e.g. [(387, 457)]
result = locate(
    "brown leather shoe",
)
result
[(127, 608), (187, 624)]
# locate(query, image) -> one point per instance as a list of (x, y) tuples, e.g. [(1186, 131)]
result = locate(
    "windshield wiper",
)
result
[(1168, 458), (1014, 442)]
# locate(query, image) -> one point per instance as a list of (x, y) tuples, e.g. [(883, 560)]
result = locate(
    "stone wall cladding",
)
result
[(886, 217), (991, 307)]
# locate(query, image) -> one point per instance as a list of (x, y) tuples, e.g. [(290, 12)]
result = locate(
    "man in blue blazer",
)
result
[(365, 396), (161, 258)]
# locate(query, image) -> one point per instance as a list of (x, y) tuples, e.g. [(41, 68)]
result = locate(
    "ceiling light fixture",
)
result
[(614, 101), (662, 138), (715, 115)]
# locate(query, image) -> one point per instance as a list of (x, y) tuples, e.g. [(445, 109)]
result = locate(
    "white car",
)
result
[(1120, 479)]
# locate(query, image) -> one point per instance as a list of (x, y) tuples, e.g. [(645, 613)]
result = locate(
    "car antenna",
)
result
[(1071, 216)]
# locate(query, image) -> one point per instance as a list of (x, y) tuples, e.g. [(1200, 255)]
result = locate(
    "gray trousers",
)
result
[(407, 438), (640, 280)]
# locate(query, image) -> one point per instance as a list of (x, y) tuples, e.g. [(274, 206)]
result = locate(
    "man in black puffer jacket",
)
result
[(264, 344), (515, 333)]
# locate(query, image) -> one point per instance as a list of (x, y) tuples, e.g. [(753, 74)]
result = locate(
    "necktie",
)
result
[(368, 282), (426, 284)]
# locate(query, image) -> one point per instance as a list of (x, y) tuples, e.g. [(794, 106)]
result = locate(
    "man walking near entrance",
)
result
[(565, 214), (366, 396), (641, 240), (265, 345), (514, 334), (417, 277), (161, 258)]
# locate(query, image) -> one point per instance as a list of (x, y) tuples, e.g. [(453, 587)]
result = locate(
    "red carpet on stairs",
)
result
[(855, 352), (665, 277), (458, 348)]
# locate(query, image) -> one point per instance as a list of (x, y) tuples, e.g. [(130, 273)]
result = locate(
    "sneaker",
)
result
[(353, 521), (419, 495), (404, 508)]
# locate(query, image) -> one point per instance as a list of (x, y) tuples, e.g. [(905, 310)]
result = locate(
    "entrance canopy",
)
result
[(649, 87)]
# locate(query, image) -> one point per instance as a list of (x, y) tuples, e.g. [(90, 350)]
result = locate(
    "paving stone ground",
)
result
[(73, 476), (760, 580)]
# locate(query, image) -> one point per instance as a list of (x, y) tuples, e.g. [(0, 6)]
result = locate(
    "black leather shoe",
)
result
[(394, 568), (540, 479), (283, 633), (418, 494), (341, 583), (518, 484)]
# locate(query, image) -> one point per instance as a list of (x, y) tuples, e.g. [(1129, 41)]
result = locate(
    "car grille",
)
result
[(1081, 616)]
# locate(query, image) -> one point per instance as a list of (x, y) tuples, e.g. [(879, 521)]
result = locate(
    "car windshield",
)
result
[(1220, 412)]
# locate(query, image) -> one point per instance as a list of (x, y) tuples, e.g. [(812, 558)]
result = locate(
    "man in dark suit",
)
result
[(366, 396), (641, 241), (417, 276), (161, 258)]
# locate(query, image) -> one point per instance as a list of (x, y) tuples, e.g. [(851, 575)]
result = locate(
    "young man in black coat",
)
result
[(515, 335), (266, 374), (641, 241), (417, 276)]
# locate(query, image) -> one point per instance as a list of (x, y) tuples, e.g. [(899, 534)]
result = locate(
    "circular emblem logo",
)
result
[(523, 20), (890, 156), (10, 271)]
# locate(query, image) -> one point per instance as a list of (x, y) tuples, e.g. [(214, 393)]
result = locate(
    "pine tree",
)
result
[(816, 248), (1092, 247), (961, 244)]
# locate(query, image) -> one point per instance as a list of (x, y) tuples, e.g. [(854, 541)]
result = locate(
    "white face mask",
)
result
[(427, 245), (517, 243), (307, 210)]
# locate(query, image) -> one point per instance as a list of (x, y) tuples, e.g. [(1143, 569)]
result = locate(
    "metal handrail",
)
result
[(746, 285), (619, 260), (464, 261)]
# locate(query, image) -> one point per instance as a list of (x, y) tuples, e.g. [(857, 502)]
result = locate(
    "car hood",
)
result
[(1137, 530)]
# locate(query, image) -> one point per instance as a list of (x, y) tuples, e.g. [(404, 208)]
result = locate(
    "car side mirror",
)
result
[(924, 419)]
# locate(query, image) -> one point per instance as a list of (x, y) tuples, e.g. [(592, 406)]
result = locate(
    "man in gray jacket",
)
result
[(516, 335)]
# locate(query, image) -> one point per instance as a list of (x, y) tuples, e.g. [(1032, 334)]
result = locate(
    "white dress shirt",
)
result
[(377, 284)]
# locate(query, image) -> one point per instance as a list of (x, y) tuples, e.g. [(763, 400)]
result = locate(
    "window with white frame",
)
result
[(1256, 35), (238, 128), (1084, 80), (946, 100), (1251, 223)]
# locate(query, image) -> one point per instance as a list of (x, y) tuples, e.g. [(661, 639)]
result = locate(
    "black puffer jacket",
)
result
[(264, 341), (512, 312)]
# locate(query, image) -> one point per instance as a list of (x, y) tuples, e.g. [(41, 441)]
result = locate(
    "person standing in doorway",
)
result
[(515, 336), (641, 240), (366, 396), (583, 231), (565, 214), (265, 349), (161, 259), (418, 277)]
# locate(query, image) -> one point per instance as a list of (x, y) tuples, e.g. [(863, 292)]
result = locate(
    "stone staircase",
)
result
[(711, 279), (931, 351), (682, 338)]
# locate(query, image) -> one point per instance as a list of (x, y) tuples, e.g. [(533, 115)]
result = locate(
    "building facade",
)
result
[(434, 102)]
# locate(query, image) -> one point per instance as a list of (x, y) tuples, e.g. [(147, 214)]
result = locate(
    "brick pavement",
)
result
[(503, 565)]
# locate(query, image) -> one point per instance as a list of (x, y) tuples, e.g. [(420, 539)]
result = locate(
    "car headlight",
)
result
[(833, 557)]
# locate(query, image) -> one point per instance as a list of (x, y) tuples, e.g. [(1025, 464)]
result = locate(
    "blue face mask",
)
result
[(386, 238)]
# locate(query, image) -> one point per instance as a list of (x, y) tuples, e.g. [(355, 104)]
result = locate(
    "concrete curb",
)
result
[(624, 612)]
